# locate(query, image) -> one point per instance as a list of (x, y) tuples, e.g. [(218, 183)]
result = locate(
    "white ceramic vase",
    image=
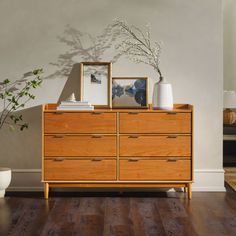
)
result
[(162, 96), (5, 180)]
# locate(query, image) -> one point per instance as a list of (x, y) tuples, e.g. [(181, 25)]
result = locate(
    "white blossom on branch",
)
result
[(137, 45)]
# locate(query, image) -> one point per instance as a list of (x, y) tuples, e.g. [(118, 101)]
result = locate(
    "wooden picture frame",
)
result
[(130, 92), (95, 83)]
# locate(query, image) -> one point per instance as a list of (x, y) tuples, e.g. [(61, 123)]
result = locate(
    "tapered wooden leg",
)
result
[(46, 190), (185, 189), (189, 191)]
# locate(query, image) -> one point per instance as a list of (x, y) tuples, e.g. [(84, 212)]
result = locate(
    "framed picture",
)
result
[(95, 87), (130, 92)]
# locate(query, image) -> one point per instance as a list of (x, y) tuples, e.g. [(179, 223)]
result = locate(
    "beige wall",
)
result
[(191, 32), (229, 44)]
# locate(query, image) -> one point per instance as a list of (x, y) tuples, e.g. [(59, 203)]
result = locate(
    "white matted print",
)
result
[(95, 83)]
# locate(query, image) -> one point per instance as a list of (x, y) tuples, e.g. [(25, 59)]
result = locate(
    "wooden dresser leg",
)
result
[(185, 189), (46, 190), (189, 191)]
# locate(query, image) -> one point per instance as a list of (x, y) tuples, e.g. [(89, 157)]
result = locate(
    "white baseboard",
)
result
[(205, 180), (26, 180), (208, 180), (25, 189)]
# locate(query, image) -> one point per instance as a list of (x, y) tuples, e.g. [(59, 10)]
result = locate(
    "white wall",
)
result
[(229, 44), (191, 32)]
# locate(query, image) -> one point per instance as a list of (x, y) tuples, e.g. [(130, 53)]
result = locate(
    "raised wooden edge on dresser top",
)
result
[(52, 107)]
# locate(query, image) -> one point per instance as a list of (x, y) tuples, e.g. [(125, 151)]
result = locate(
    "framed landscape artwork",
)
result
[(130, 92), (95, 87)]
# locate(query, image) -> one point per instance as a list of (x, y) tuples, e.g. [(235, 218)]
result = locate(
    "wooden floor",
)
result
[(209, 214)]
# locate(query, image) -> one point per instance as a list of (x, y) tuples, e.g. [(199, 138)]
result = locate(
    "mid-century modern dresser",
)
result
[(118, 148)]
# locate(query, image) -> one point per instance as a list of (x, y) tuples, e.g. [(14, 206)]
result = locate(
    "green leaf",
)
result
[(31, 96), (24, 126), (6, 81)]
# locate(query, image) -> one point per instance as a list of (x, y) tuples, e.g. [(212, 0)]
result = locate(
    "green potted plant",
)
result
[(13, 96)]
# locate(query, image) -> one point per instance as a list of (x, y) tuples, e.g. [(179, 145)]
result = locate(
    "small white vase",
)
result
[(5, 179), (162, 96)]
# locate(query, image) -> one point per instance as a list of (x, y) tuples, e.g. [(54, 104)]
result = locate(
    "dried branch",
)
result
[(137, 45)]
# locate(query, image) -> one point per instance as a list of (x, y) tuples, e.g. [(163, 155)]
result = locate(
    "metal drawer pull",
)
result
[(58, 136), (133, 113), (97, 159), (97, 113), (172, 160), (133, 159), (58, 113), (96, 136), (172, 136), (171, 113), (133, 136), (58, 159)]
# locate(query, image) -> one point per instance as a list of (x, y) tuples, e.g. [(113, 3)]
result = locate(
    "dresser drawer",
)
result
[(167, 122), (161, 145), (75, 170), (155, 170), (81, 122), (75, 145)]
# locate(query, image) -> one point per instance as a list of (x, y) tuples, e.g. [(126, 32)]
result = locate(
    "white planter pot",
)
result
[(162, 96), (5, 180)]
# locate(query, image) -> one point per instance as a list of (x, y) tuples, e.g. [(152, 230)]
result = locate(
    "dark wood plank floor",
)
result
[(110, 214)]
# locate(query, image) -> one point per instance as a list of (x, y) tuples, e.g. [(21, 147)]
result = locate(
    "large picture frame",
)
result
[(95, 83), (130, 92)]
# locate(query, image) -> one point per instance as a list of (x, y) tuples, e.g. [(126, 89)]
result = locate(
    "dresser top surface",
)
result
[(52, 107)]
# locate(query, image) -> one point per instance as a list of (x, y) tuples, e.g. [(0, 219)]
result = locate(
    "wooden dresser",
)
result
[(113, 148)]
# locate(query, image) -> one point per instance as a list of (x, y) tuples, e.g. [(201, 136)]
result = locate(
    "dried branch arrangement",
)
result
[(137, 45)]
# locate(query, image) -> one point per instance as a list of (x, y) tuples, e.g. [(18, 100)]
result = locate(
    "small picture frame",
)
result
[(130, 92), (95, 83)]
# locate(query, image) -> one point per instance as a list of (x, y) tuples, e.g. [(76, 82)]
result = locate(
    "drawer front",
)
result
[(155, 122), (88, 122), (155, 170), (155, 145), (74, 145), (75, 170)]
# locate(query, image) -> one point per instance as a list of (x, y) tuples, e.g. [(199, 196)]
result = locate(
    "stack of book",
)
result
[(75, 105)]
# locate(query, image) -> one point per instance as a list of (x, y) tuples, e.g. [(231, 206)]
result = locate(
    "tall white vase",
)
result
[(162, 96)]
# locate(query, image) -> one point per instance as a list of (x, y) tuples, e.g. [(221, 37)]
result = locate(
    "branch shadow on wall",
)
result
[(83, 46)]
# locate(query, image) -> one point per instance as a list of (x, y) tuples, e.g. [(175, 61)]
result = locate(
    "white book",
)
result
[(75, 103), (76, 108)]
